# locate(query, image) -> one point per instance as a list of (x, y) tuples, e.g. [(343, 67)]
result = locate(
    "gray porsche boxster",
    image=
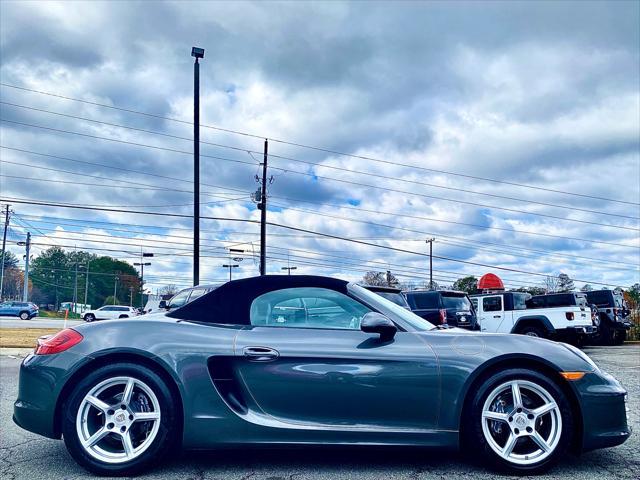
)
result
[(311, 360)]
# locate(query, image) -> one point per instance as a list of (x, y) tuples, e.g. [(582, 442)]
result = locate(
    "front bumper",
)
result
[(604, 412)]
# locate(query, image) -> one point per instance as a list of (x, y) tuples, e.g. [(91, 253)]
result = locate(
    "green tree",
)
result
[(467, 284), (565, 284), (380, 279), (9, 260)]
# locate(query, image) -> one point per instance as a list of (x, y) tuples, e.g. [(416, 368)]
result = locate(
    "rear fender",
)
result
[(533, 320)]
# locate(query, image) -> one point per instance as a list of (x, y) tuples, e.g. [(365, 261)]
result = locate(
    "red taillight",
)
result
[(615, 312), (60, 342), (443, 315), (569, 315)]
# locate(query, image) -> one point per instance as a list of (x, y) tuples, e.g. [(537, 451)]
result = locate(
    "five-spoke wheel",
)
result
[(521, 422), (119, 419), (522, 419)]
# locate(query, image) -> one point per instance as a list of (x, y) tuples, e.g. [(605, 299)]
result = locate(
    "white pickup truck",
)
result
[(507, 313)]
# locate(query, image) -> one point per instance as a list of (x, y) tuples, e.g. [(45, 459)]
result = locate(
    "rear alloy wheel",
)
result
[(24, 315), (119, 420), (522, 420), (89, 317)]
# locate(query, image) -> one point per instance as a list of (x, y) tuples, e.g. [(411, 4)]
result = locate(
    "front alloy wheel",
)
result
[(521, 422), (521, 419)]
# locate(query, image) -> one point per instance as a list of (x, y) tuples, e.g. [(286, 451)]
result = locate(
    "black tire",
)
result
[(474, 438), (24, 316), (606, 334), (89, 317), (157, 451), (534, 331), (619, 337)]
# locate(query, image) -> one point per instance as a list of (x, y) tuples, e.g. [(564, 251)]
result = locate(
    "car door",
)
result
[(104, 313), (493, 314), (5, 308), (304, 360)]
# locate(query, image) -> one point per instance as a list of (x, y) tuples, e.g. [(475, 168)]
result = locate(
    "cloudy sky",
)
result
[(507, 131)]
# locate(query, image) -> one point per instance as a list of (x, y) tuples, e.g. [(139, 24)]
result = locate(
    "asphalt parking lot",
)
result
[(27, 456)]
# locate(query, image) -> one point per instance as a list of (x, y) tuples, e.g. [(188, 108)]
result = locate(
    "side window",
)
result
[(307, 308), (197, 292), (180, 299), (492, 304)]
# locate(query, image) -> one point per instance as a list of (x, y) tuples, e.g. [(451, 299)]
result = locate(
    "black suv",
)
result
[(614, 314), (443, 307), (392, 294)]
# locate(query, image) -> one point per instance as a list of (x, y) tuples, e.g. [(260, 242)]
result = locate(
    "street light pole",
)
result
[(197, 53), (142, 265), (86, 284), (430, 242)]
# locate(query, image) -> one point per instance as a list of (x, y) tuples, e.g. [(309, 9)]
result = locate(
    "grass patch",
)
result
[(23, 337)]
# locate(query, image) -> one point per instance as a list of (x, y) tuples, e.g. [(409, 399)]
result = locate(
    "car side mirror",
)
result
[(374, 322), (163, 304)]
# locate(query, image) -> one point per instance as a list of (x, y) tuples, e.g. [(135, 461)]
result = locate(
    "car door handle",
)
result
[(260, 354), (497, 316)]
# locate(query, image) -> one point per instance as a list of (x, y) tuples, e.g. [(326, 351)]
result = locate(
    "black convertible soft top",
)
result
[(231, 302)]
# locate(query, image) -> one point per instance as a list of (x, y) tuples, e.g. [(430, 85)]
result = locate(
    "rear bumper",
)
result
[(574, 332), (39, 386)]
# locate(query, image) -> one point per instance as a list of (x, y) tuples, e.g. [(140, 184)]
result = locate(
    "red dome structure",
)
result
[(490, 281)]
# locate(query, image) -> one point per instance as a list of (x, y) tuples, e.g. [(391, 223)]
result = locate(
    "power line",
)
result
[(321, 149), (321, 165), (475, 204), (473, 246), (298, 229)]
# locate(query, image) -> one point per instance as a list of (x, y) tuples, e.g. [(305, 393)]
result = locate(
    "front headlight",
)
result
[(583, 356)]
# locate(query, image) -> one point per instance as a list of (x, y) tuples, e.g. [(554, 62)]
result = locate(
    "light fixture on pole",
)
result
[(230, 266), (289, 269)]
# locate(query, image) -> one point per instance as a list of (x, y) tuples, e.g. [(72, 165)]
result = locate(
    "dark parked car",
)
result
[(614, 316), (24, 310), (392, 294), (554, 300), (305, 360), (443, 306), (185, 296)]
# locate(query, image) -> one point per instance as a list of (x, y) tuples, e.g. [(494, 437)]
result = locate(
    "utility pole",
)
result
[(430, 242), (115, 288), (289, 269), (75, 289), (4, 246), (197, 53), (27, 245), (230, 266), (142, 265), (86, 284), (263, 213), (131, 296)]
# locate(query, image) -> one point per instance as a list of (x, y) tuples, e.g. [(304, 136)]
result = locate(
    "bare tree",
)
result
[(550, 284)]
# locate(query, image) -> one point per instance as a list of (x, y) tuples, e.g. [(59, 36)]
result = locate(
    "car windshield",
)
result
[(456, 302), (390, 309)]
